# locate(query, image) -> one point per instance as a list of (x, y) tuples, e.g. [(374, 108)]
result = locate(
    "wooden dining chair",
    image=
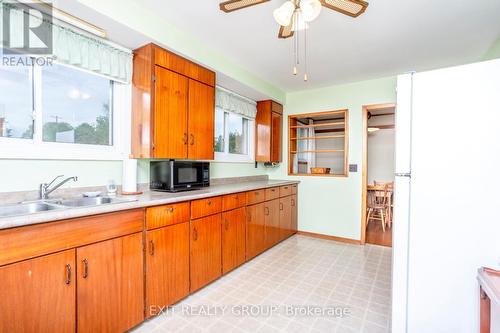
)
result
[(377, 206), (390, 205)]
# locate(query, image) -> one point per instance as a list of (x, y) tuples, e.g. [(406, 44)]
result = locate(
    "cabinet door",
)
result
[(294, 210), (285, 217), (272, 221), (233, 239), (110, 281), (170, 115), (256, 231), (263, 132), (277, 130), (205, 251), (201, 121), (167, 266), (38, 295)]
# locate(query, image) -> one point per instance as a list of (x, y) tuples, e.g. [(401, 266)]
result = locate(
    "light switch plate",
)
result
[(353, 168)]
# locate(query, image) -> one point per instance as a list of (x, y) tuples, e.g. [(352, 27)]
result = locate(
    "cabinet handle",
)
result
[(286, 187), (281, 206), (209, 202), (185, 138), (273, 190), (195, 234), (293, 203), (85, 268), (192, 139), (266, 211), (226, 224), (68, 274), (152, 247), (170, 209)]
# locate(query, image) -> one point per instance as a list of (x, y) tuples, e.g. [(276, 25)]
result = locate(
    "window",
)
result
[(57, 111), (319, 144), (234, 136)]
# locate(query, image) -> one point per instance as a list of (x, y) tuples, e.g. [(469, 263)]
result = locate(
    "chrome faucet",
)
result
[(45, 189)]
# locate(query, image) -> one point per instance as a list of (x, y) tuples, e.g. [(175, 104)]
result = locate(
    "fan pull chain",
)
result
[(305, 56)]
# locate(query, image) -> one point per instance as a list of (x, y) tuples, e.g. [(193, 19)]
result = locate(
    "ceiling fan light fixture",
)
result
[(283, 15), (298, 22), (310, 9)]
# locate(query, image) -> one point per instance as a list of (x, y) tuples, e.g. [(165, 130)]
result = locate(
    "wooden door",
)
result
[(263, 132), (272, 221), (170, 115), (294, 214), (110, 285), (205, 251), (285, 217), (201, 121), (167, 267), (233, 239), (256, 231), (276, 136), (39, 295)]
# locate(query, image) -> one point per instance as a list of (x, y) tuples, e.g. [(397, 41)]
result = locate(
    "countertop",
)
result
[(149, 198)]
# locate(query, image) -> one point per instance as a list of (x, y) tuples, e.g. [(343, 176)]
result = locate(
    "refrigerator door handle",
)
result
[(403, 174)]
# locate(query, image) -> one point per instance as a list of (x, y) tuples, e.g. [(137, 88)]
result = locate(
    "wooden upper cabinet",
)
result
[(171, 114), (110, 283), (167, 267), (269, 130), (173, 106), (201, 121), (38, 295)]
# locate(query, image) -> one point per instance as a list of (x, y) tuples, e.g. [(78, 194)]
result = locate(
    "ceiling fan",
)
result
[(294, 15)]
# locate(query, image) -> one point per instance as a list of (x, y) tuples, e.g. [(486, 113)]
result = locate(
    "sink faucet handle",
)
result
[(53, 180)]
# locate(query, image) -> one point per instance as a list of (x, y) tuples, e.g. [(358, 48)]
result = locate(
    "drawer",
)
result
[(285, 190), (294, 188), (233, 201), (162, 216), (254, 197), (272, 193), (205, 207)]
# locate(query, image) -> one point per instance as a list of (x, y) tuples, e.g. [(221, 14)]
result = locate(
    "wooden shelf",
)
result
[(319, 151), (319, 137), (320, 125)]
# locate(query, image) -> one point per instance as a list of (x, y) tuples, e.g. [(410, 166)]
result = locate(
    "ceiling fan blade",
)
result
[(286, 31), (232, 5), (352, 8)]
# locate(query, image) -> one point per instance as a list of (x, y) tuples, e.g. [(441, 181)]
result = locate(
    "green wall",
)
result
[(494, 51), (332, 206)]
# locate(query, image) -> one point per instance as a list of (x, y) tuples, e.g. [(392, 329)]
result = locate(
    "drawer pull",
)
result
[(170, 209), (209, 203), (195, 234), (152, 247), (68, 274), (85, 268), (273, 190), (286, 187)]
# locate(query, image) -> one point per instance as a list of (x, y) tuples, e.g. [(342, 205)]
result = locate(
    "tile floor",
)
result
[(330, 286)]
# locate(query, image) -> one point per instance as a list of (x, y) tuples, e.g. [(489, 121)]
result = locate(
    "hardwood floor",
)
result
[(375, 234)]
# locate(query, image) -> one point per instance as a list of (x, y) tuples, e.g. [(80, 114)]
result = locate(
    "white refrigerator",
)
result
[(447, 196)]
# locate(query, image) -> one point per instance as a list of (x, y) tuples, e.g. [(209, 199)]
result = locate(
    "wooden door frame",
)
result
[(364, 166)]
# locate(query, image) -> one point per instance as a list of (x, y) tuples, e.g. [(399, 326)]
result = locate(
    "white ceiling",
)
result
[(392, 37)]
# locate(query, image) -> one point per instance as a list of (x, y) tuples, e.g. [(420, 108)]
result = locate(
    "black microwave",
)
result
[(175, 176)]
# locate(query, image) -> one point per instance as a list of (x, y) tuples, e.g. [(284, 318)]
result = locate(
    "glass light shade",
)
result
[(310, 9), (284, 13)]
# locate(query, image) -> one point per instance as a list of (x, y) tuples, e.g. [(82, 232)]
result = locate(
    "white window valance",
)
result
[(78, 48), (235, 103)]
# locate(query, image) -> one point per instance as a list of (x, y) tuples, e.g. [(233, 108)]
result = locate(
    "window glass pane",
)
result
[(219, 131), (76, 106), (238, 134), (16, 102)]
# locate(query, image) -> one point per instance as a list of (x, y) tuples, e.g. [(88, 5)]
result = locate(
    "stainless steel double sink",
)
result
[(26, 208)]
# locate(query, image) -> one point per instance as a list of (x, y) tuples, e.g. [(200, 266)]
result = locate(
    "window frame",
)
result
[(226, 157), (292, 133), (36, 148)]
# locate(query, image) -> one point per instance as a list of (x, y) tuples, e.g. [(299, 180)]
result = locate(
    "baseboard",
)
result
[(333, 238)]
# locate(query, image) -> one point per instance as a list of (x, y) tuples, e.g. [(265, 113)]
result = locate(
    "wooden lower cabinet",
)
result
[(294, 213), (285, 226), (272, 222), (110, 282), (233, 239), (205, 251), (39, 295), (167, 267), (255, 231)]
